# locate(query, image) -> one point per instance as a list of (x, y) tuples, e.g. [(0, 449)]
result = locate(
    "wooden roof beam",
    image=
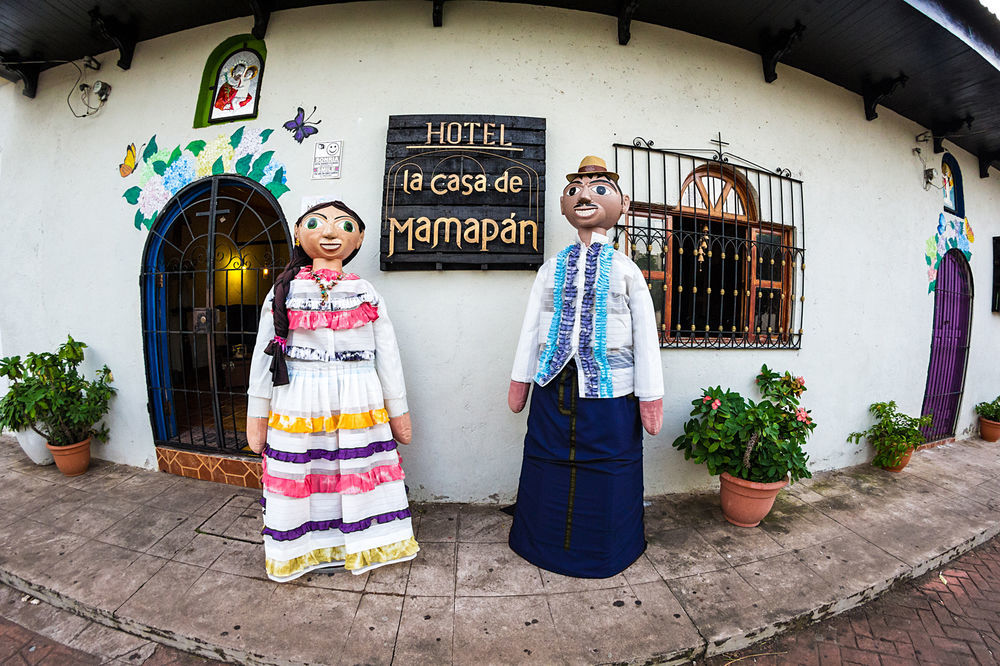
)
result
[(626, 10), (122, 35), (775, 48), (261, 16), (28, 73), (437, 13), (941, 130), (986, 160), (874, 94)]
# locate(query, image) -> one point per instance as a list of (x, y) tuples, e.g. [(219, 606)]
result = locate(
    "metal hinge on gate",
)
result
[(159, 281)]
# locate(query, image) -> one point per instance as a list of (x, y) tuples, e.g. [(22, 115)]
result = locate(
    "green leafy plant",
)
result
[(893, 433), (757, 441), (49, 395), (989, 410)]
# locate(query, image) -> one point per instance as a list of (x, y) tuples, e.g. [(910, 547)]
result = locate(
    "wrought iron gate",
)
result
[(210, 259), (949, 345)]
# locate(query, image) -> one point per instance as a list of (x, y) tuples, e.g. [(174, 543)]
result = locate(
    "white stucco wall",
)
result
[(71, 256)]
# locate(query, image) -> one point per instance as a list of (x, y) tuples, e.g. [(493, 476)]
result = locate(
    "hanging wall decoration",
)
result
[(300, 125), (231, 81), (163, 172)]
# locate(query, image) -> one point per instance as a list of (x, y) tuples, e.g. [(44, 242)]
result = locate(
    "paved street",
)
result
[(948, 616)]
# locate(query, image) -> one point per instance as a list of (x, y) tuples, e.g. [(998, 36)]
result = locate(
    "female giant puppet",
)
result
[(589, 343), (327, 409)]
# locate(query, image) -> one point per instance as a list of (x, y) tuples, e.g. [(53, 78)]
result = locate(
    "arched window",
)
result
[(951, 190), (231, 81), (717, 245)]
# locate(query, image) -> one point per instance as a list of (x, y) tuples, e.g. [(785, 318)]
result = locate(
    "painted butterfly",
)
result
[(128, 166), (301, 126)]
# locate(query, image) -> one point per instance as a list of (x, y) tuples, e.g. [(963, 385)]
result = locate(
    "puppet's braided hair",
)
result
[(279, 308)]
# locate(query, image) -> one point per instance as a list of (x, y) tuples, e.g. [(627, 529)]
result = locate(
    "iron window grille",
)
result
[(210, 259), (720, 241)]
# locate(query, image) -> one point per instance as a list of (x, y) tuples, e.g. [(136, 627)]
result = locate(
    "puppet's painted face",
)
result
[(593, 202), (329, 233)]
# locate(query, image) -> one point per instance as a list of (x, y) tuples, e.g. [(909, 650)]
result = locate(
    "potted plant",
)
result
[(989, 420), (754, 447), (893, 435), (49, 395)]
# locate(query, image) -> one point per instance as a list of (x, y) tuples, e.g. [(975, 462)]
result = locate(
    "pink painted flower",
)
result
[(716, 404)]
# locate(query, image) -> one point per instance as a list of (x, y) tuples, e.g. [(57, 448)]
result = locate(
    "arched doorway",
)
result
[(949, 345), (209, 261)]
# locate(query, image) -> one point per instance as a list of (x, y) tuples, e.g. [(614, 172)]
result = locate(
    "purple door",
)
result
[(949, 345)]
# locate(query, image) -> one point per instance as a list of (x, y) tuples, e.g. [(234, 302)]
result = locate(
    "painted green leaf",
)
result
[(277, 189), (150, 149), (261, 162), (174, 155), (930, 286), (159, 167), (243, 165), (265, 134), (132, 195), (235, 139), (195, 147), (279, 176), (152, 220), (218, 167), (927, 259), (139, 220)]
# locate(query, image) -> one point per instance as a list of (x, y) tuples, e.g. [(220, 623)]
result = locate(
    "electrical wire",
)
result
[(84, 92), (84, 95)]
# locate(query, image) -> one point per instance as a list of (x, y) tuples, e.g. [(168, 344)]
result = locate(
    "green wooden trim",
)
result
[(206, 93)]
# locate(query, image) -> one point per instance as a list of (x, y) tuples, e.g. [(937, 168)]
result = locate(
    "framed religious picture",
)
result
[(237, 87)]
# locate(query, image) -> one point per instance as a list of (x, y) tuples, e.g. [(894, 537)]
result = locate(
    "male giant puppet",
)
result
[(589, 343)]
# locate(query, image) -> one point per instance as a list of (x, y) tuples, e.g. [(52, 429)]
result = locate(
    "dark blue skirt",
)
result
[(579, 502)]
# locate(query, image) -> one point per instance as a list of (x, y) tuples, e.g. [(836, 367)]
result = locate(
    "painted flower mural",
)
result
[(952, 233), (163, 172)]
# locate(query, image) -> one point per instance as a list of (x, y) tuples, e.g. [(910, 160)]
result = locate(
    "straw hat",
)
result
[(591, 165)]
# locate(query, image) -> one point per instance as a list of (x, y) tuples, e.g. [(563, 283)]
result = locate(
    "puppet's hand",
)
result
[(257, 434), (517, 396), (652, 415), (402, 431)]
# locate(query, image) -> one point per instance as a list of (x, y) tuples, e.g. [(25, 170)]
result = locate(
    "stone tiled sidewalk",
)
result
[(179, 561)]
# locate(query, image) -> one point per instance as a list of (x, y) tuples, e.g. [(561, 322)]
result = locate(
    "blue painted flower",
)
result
[(179, 174), (269, 170)]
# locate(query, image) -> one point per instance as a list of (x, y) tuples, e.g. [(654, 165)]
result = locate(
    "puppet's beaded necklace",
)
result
[(325, 284)]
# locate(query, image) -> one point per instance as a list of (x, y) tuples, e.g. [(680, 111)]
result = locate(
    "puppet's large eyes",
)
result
[(602, 189), (572, 190), (312, 223), (346, 225)]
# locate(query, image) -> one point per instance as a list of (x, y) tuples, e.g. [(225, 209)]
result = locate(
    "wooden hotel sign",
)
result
[(463, 192)]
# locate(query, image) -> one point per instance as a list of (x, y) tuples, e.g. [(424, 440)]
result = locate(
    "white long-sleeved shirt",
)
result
[(375, 340), (624, 348)]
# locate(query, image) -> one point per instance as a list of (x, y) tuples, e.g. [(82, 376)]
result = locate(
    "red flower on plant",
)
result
[(802, 415), (716, 404), (706, 399)]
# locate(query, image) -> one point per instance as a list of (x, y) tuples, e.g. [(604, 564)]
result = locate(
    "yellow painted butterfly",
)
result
[(128, 166)]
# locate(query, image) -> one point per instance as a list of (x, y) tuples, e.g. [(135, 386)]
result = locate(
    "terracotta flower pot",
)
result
[(745, 503), (902, 462), (72, 460), (989, 430)]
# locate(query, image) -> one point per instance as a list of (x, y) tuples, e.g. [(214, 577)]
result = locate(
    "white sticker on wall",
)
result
[(326, 159)]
